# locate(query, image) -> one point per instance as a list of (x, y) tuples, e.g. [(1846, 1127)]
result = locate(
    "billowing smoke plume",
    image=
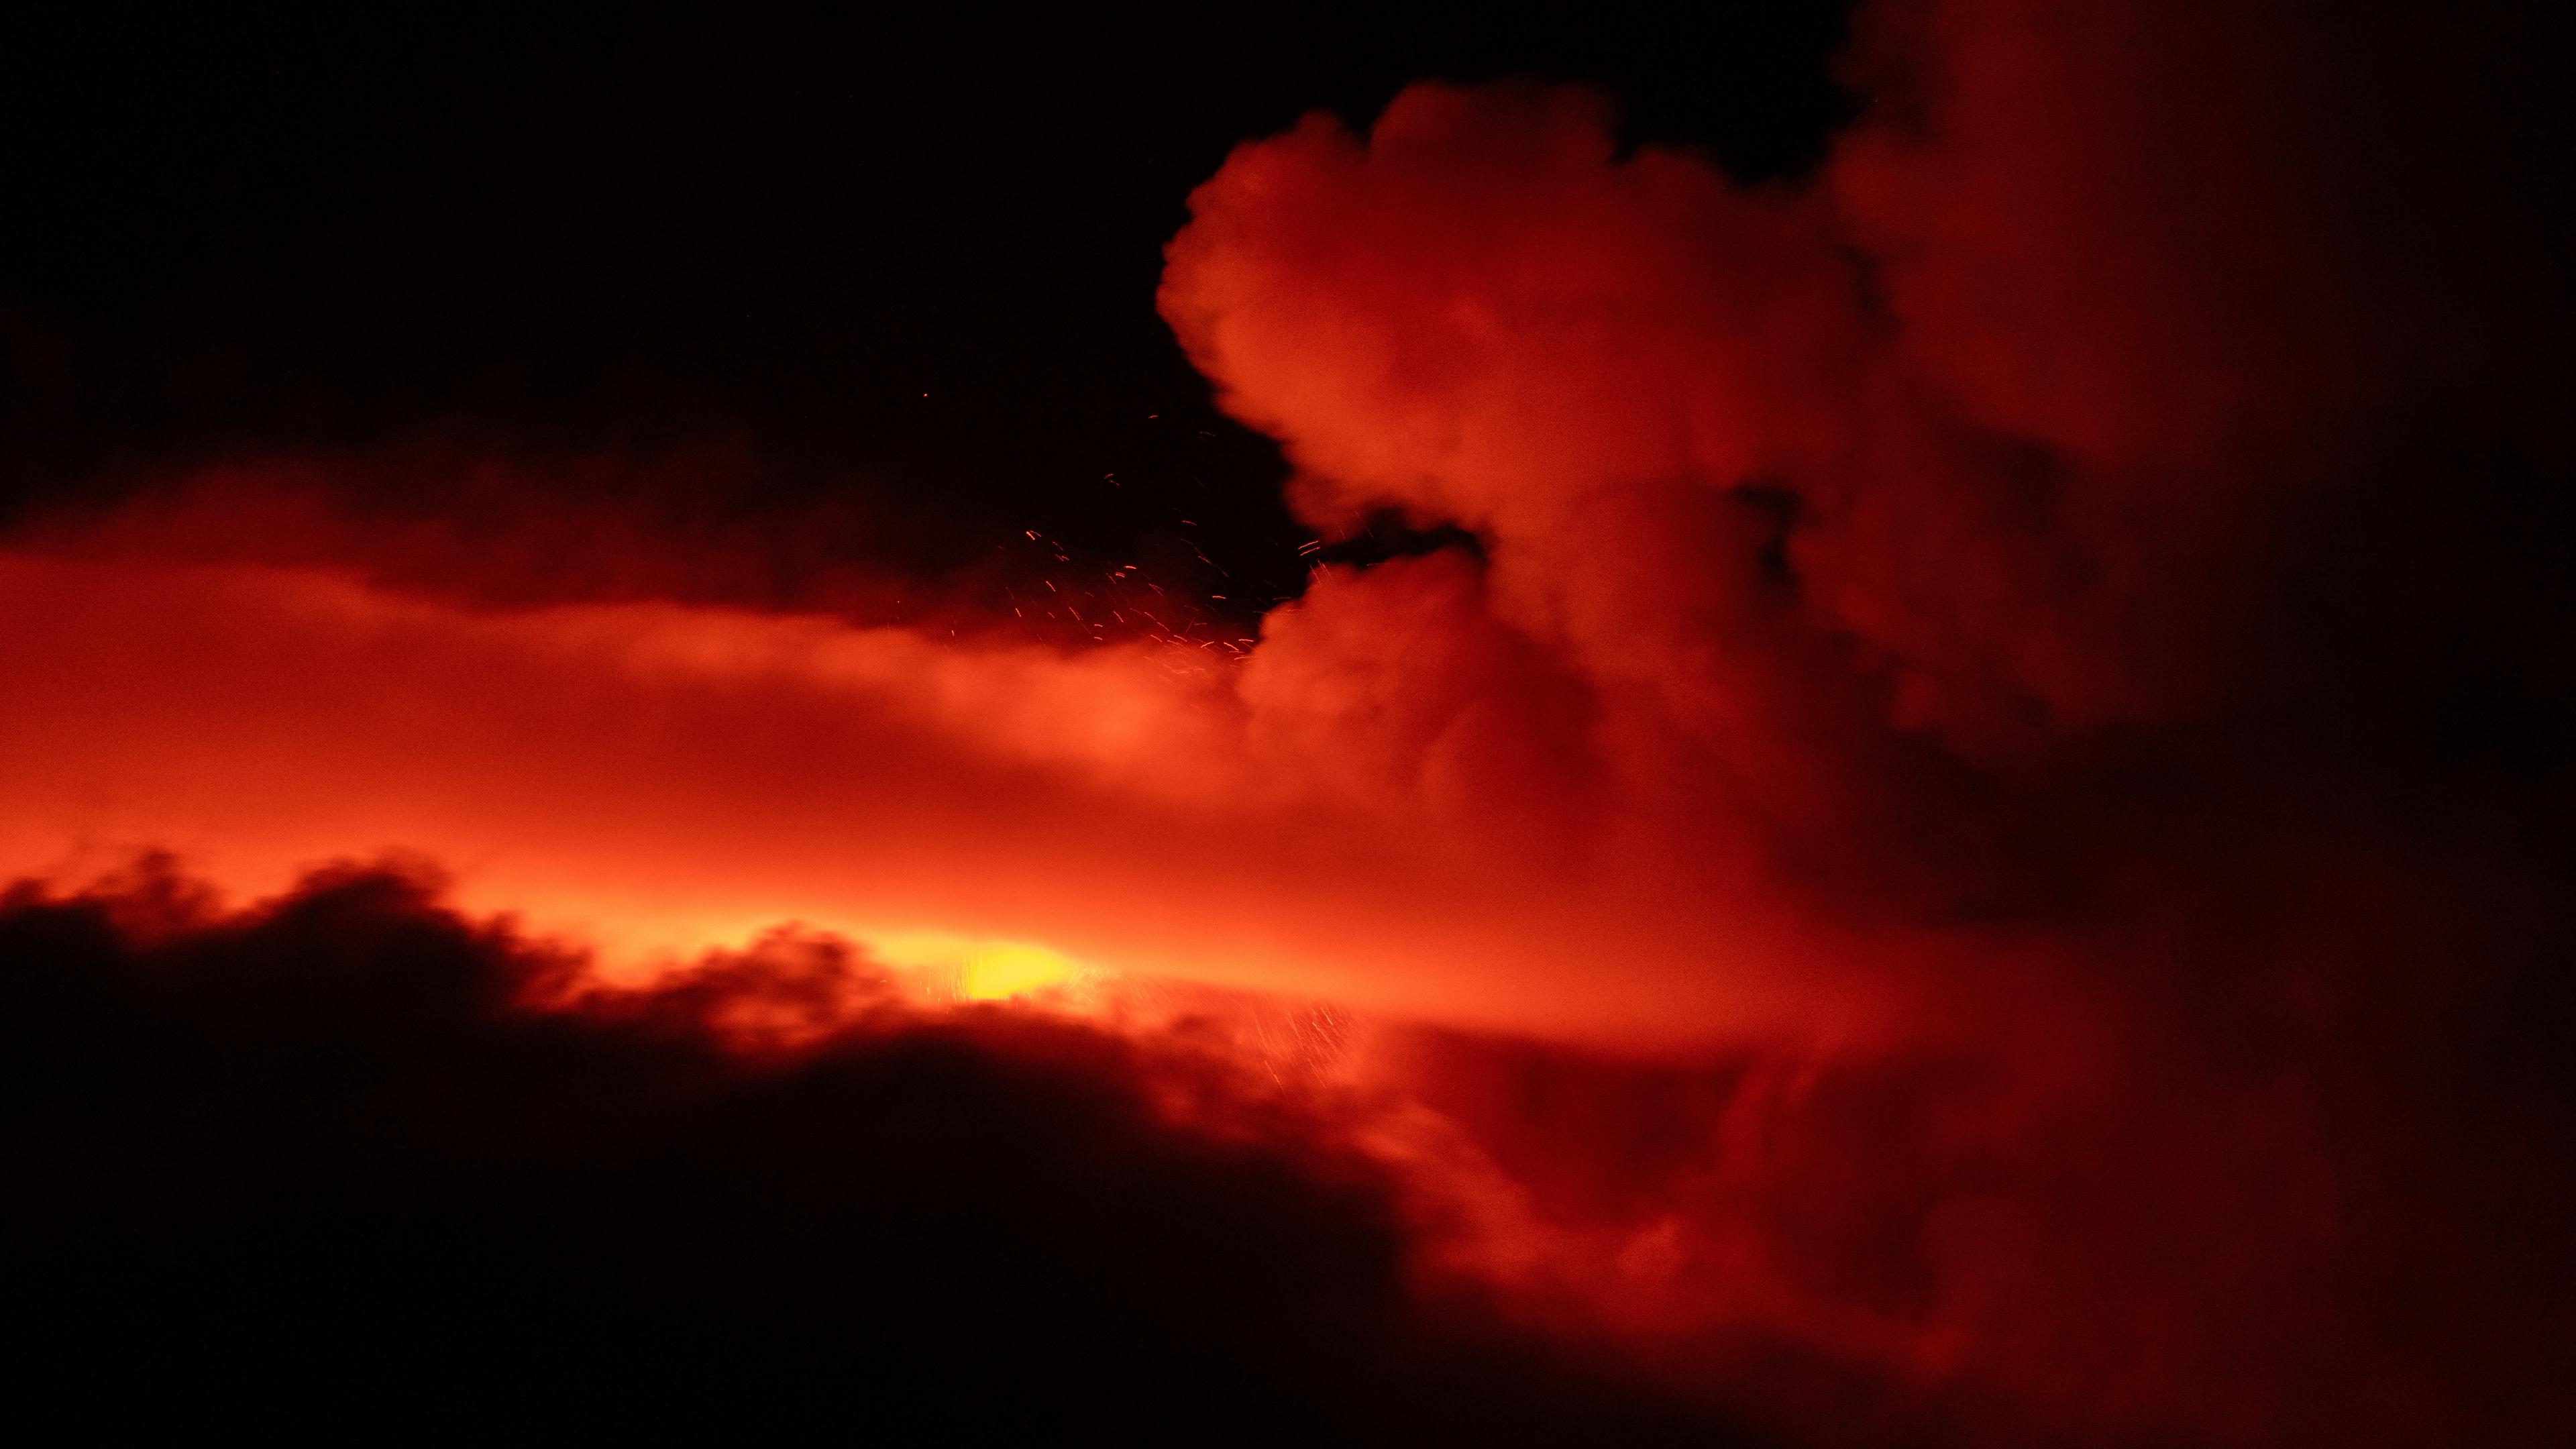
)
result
[(2100, 539), (2018, 684)]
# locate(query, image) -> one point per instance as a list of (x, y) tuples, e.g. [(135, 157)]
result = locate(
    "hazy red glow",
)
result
[(1144, 807), (1865, 725)]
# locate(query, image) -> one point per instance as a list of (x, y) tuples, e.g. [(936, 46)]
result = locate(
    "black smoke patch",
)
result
[(349, 1163)]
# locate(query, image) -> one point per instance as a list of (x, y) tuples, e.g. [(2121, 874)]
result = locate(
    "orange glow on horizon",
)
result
[(655, 780)]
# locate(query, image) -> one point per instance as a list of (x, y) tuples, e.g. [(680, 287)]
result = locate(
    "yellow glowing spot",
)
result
[(946, 966), (998, 971)]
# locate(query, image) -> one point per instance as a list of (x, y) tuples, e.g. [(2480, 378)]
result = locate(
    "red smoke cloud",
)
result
[(1998, 542), (2015, 682)]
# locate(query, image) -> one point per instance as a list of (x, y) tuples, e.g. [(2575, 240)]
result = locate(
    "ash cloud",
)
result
[(2089, 565)]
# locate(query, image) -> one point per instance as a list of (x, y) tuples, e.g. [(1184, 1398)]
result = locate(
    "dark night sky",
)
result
[(236, 232)]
